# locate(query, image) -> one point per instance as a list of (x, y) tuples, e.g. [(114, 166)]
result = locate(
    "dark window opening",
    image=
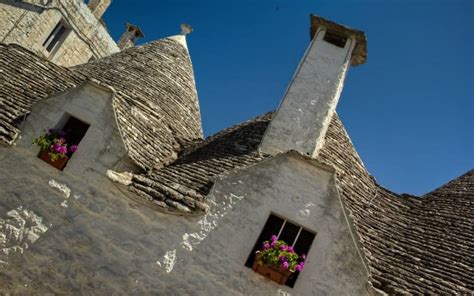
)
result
[(75, 130), (337, 40), (294, 235), (55, 37)]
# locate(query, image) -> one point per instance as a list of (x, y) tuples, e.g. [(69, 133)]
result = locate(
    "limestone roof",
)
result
[(184, 184), (25, 79), (155, 96), (156, 101), (410, 245)]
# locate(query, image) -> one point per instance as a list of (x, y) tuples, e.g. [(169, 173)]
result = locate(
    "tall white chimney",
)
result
[(306, 109)]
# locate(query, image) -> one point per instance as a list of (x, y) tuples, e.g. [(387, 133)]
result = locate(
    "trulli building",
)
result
[(146, 206)]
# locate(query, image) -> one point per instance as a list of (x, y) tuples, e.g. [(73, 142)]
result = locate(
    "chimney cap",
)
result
[(359, 54), (138, 31)]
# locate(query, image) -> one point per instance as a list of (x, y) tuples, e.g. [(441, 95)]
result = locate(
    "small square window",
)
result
[(56, 37), (335, 39), (293, 234)]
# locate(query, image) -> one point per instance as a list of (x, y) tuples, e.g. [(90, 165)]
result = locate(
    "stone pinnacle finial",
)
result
[(186, 29)]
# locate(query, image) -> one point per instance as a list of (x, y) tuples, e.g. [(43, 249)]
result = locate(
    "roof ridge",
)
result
[(131, 49), (193, 146), (30, 52), (451, 182)]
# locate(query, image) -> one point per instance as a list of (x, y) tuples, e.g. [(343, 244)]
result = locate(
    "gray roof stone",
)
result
[(410, 245), (155, 96), (25, 79), (156, 100)]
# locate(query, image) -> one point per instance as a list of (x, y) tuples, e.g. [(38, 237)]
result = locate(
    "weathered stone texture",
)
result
[(155, 121), (99, 241), (186, 182), (30, 23), (24, 80), (98, 7), (156, 103), (107, 242), (410, 245)]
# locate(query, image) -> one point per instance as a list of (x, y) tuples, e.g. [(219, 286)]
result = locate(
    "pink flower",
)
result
[(283, 248), (73, 148), (303, 256), (273, 244), (274, 238), (266, 246), (290, 249), (285, 265), (56, 148), (299, 267), (282, 259)]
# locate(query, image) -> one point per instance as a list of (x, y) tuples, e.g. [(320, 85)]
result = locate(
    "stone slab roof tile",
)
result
[(157, 105), (25, 79), (155, 101), (410, 245), (191, 176)]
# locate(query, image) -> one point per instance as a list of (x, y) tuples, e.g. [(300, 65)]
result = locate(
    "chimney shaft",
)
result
[(130, 36), (98, 7), (303, 116)]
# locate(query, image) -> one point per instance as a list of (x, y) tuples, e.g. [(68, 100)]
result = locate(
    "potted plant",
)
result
[(54, 148), (277, 261)]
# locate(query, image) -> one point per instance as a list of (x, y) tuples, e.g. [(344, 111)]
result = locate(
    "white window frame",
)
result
[(283, 226)]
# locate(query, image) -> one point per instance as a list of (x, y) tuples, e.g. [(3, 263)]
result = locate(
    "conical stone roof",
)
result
[(156, 100)]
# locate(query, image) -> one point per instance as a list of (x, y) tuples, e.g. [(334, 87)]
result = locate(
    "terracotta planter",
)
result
[(273, 273), (59, 164)]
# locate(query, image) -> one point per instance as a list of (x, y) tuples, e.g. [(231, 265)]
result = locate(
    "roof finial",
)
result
[(186, 29)]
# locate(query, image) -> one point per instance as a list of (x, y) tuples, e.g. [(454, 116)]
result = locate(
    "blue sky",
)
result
[(409, 109)]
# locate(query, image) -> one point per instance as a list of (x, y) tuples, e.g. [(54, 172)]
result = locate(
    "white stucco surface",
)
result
[(302, 119), (101, 148), (105, 242)]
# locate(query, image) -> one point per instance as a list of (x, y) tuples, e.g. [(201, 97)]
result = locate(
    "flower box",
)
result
[(54, 148), (273, 273), (59, 163), (277, 261)]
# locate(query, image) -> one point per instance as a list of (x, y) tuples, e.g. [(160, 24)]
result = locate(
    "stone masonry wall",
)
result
[(29, 23), (92, 237)]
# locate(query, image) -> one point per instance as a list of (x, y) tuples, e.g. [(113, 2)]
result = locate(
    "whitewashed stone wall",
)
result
[(99, 240), (29, 23), (101, 148), (292, 188)]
